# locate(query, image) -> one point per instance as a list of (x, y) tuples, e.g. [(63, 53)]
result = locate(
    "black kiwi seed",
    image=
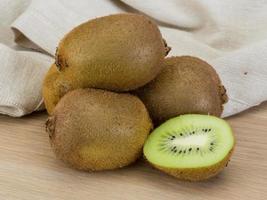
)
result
[(190, 149), (172, 137), (198, 149)]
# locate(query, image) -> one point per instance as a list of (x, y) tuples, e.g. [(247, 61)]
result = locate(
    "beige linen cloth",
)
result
[(230, 35)]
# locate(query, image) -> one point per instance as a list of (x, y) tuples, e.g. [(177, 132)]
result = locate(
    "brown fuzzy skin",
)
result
[(96, 130), (185, 85), (118, 52), (196, 174), (55, 85)]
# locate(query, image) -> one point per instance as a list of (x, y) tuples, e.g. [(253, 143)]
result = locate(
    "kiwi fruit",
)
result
[(190, 147), (93, 129), (119, 52), (185, 85), (55, 85)]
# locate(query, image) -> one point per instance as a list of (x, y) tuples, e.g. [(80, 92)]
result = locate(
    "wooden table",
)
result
[(29, 170)]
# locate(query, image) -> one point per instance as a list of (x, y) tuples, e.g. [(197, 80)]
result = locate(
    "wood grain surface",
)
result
[(29, 170)]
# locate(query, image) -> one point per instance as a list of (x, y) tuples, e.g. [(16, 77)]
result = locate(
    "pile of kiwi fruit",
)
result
[(114, 96)]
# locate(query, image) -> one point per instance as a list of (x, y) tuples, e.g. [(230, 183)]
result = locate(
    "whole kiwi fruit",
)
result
[(53, 88), (93, 129), (118, 53), (185, 85)]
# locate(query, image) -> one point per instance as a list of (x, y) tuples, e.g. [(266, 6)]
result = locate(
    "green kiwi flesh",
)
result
[(190, 147)]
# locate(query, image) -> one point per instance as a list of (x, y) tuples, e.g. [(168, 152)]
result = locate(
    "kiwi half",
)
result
[(185, 85), (190, 147), (96, 130)]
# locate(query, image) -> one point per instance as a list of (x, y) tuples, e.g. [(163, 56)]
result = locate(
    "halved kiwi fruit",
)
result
[(191, 147)]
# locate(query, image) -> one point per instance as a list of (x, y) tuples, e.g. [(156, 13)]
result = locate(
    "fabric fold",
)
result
[(46, 23), (21, 78), (231, 36)]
